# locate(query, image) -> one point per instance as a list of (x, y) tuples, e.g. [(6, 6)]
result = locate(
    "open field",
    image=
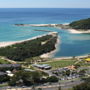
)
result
[(3, 85), (2, 61), (59, 63)]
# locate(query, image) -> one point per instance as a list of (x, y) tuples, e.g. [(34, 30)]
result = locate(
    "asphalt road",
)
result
[(53, 86)]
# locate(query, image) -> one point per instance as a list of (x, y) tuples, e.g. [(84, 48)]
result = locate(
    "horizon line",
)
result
[(49, 7)]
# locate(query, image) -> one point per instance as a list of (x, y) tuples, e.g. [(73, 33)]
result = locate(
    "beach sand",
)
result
[(51, 54), (4, 44), (47, 55), (78, 31), (71, 57)]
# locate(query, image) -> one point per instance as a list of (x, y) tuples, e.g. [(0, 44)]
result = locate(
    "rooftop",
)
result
[(87, 59)]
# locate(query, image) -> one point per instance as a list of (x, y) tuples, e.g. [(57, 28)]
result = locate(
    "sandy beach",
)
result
[(4, 44), (78, 31), (61, 26), (36, 25), (51, 54), (78, 57)]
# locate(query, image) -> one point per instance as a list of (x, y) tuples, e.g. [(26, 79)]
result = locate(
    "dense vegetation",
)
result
[(28, 78), (4, 78), (11, 67), (81, 24), (83, 86), (2, 61), (29, 48)]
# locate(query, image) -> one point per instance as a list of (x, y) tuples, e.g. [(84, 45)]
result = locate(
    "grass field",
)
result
[(2, 61), (3, 85), (60, 63)]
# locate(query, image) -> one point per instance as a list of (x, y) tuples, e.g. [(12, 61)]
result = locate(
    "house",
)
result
[(29, 70), (2, 74), (9, 73), (42, 66), (5, 67), (87, 59)]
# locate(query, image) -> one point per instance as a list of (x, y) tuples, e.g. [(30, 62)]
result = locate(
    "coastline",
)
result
[(70, 57), (46, 55), (36, 25), (73, 31), (60, 26), (51, 54), (9, 43)]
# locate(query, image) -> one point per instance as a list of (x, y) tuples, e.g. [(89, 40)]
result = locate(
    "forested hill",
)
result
[(81, 24)]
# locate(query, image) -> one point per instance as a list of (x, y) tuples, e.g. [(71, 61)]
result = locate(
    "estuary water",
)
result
[(70, 44)]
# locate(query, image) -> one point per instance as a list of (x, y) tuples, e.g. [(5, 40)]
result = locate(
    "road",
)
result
[(53, 86)]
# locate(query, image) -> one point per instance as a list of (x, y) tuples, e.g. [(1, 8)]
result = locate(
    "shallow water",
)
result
[(70, 44)]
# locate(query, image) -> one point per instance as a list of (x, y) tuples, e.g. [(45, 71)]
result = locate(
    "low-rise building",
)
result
[(42, 66), (87, 59), (5, 67), (3, 73)]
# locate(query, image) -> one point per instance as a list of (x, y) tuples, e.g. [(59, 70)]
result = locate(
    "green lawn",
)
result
[(61, 63), (3, 85), (2, 61)]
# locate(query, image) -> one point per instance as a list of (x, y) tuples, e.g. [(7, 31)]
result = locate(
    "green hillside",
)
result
[(81, 24)]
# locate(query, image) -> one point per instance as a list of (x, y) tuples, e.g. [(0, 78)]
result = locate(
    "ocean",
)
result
[(70, 44)]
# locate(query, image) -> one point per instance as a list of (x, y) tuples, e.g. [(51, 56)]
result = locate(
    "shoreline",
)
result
[(73, 31), (42, 25), (70, 57), (46, 55), (10, 43), (60, 26), (51, 54)]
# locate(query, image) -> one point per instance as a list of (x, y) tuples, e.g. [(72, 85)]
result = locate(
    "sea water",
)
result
[(70, 44)]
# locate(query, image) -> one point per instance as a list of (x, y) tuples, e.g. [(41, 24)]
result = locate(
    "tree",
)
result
[(83, 86), (52, 79), (39, 88), (29, 49), (27, 78), (68, 72), (59, 88), (81, 24), (82, 72), (4, 78)]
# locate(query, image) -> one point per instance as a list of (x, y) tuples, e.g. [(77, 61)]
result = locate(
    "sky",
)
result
[(44, 3)]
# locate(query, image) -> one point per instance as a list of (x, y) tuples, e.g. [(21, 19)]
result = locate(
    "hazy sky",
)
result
[(44, 3)]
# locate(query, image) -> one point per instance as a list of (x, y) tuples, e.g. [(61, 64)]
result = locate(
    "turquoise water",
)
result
[(70, 44)]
